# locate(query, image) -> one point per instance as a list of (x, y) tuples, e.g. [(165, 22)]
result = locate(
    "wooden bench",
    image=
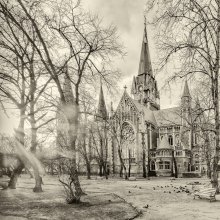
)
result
[(206, 193)]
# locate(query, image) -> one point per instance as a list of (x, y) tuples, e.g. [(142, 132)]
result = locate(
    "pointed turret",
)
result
[(67, 89), (102, 111), (186, 97), (186, 104), (186, 92), (145, 61), (134, 86)]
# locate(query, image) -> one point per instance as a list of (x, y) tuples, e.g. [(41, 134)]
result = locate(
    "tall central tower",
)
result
[(144, 86)]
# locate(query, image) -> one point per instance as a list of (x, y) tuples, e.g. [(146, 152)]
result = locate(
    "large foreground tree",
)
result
[(83, 43), (189, 32)]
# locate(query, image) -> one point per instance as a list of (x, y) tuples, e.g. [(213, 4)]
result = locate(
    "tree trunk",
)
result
[(38, 182), (19, 135), (214, 175), (105, 173), (88, 167), (15, 174), (38, 178), (72, 135), (175, 165), (121, 171), (209, 173), (129, 163), (123, 167), (100, 169), (215, 96), (144, 165)]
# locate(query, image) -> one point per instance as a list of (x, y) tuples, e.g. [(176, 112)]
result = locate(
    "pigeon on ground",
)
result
[(146, 206)]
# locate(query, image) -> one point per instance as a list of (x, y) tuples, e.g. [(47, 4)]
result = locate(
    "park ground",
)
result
[(157, 198)]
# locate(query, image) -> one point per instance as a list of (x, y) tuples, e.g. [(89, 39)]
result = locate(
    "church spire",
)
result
[(145, 61), (102, 111), (186, 92), (67, 88), (186, 99)]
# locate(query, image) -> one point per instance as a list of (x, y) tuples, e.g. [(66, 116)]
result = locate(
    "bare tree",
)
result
[(189, 31), (85, 40), (22, 66), (100, 138)]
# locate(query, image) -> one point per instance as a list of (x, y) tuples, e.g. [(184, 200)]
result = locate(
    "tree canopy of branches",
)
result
[(63, 35), (189, 31)]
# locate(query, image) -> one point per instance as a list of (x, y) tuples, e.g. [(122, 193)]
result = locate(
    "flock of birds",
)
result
[(174, 188), (167, 189)]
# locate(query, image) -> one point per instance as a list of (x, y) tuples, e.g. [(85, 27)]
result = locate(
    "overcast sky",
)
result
[(128, 16)]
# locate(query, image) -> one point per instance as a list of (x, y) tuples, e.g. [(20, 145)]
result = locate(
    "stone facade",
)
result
[(163, 135)]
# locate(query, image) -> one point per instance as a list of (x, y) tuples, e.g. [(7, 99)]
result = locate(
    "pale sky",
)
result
[(128, 16)]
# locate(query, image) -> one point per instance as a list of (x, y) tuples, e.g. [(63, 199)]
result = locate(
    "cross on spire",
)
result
[(125, 87)]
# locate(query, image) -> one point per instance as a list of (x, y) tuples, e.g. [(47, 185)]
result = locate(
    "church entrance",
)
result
[(152, 171)]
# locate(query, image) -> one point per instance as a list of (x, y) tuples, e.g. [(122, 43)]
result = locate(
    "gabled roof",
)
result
[(148, 114), (169, 116), (164, 144), (125, 95)]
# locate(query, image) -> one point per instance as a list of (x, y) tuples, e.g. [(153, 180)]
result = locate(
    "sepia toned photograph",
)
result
[(109, 109)]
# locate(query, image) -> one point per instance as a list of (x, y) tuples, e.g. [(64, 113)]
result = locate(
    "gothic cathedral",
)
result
[(156, 141)]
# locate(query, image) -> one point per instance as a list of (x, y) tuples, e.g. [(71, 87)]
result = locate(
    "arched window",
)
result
[(148, 93), (177, 138), (152, 165), (196, 138), (170, 139)]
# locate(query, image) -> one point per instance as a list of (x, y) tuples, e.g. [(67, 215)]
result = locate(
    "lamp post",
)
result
[(144, 155)]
